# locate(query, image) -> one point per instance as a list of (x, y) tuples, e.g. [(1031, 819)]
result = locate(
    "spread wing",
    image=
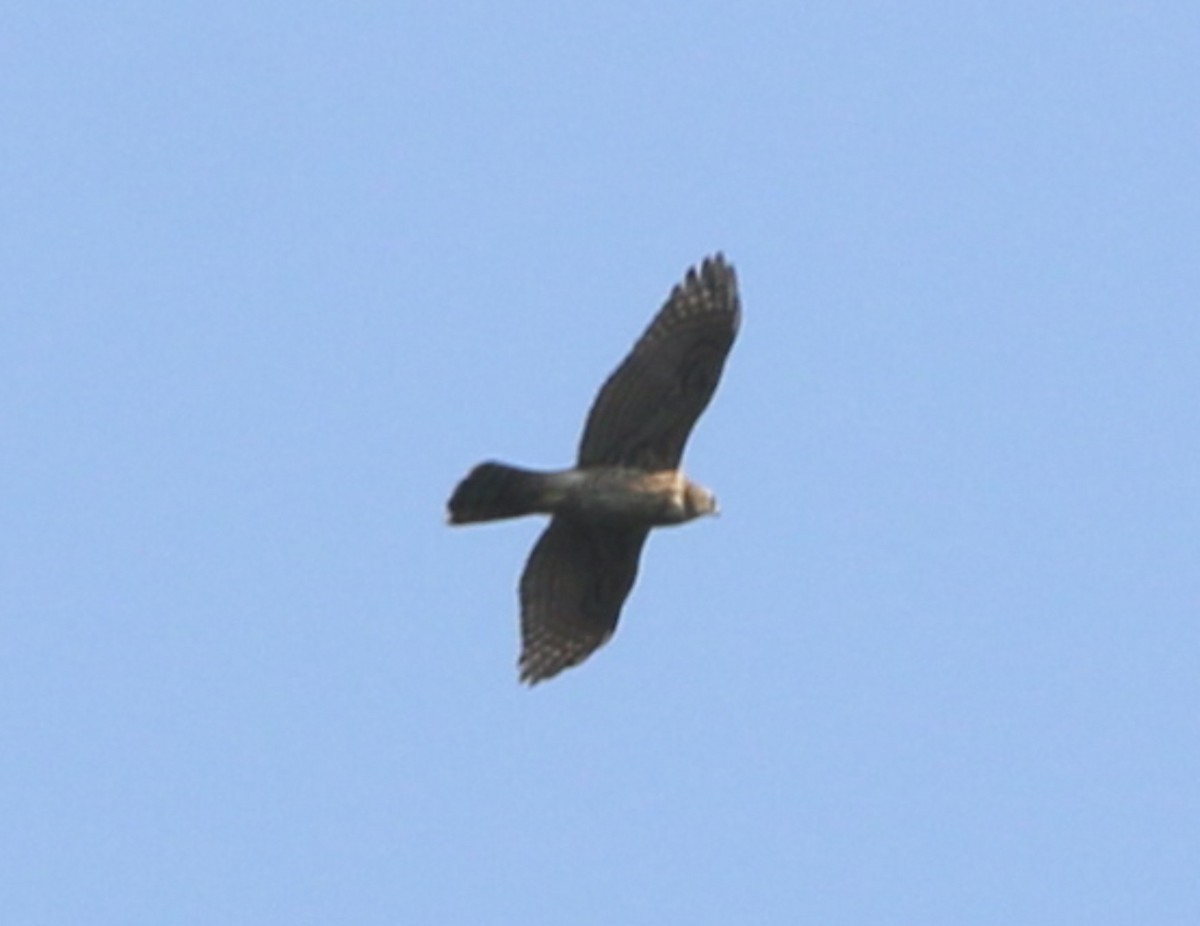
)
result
[(645, 411), (572, 590)]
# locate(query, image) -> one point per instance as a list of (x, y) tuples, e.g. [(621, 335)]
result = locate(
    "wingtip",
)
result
[(717, 264), (527, 677)]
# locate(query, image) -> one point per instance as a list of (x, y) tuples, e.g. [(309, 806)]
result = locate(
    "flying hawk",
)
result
[(625, 481)]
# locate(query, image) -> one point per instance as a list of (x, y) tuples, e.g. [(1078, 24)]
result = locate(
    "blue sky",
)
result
[(273, 277)]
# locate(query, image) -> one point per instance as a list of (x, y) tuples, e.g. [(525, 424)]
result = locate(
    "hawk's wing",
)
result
[(574, 584), (647, 408)]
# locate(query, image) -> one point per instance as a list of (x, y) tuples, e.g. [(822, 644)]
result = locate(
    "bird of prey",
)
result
[(625, 481)]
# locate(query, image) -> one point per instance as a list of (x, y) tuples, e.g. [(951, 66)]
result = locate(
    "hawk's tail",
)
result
[(495, 490)]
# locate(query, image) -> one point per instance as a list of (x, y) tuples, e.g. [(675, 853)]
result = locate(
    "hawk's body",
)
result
[(626, 479), (616, 495)]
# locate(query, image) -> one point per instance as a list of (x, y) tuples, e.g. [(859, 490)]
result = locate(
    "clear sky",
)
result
[(274, 276)]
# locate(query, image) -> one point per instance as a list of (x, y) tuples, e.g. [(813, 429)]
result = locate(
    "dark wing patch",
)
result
[(577, 578), (645, 411)]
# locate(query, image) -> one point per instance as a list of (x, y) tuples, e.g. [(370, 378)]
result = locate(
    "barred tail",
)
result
[(494, 490)]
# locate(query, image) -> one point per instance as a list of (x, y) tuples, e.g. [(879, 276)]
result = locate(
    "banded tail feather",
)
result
[(493, 491)]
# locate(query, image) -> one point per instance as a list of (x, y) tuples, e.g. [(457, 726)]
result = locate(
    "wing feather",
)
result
[(575, 582), (644, 413)]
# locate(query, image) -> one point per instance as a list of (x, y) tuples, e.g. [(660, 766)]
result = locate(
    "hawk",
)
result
[(625, 481)]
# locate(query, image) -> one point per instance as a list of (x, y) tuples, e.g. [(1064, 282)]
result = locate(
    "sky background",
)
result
[(274, 276)]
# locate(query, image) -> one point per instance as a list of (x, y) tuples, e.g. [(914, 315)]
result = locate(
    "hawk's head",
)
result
[(697, 500)]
